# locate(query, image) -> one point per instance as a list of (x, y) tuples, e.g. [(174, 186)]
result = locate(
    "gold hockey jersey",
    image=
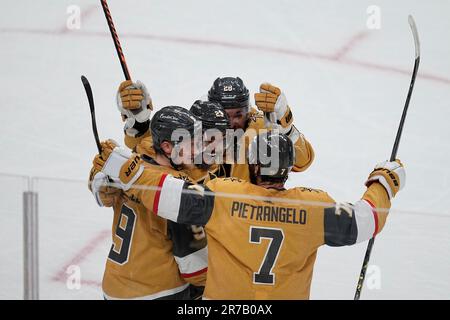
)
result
[(151, 258), (304, 153), (144, 146), (262, 242)]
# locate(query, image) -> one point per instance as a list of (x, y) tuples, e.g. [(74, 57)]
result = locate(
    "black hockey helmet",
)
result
[(166, 120), (274, 152), (211, 114), (229, 92)]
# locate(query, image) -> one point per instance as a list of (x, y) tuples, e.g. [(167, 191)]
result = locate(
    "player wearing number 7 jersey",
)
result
[(263, 238)]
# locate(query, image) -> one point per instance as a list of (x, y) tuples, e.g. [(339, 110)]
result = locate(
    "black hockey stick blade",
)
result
[(412, 24), (87, 88)]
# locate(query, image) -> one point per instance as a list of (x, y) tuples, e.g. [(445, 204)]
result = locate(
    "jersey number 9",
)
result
[(124, 233)]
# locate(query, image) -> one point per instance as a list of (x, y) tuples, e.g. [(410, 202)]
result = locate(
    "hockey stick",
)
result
[(90, 97), (115, 37), (412, 24)]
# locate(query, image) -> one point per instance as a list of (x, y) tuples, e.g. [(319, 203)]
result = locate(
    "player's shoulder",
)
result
[(229, 183), (233, 180), (145, 146), (197, 175), (311, 193), (180, 175), (309, 190), (157, 171)]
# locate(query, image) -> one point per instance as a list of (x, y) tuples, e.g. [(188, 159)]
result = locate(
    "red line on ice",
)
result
[(298, 53), (84, 14), (91, 283), (350, 45), (60, 276)]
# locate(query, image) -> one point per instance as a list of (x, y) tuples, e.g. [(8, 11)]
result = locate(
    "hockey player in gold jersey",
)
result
[(263, 238), (134, 103), (151, 258), (273, 112)]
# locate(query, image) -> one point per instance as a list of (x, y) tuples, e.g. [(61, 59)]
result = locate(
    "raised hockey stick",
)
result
[(87, 88), (115, 37), (412, 24)]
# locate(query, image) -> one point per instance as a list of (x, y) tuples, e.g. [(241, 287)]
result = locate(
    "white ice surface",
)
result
[(346, 92)]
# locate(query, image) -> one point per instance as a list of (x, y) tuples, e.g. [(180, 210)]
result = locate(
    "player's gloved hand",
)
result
[(135, 105), (104, 194), (120, 165), (273, 102), (391, 174)]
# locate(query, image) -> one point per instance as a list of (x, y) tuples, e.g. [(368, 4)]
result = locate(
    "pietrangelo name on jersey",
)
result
[(268, 213)]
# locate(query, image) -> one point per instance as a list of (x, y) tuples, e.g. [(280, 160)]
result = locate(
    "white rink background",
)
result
[(345, 83)]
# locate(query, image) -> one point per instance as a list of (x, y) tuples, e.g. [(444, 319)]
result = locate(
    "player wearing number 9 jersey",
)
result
[(263, 238), (151, 257)]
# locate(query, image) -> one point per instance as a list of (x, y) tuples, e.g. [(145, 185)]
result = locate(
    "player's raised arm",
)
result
[(135, 106), (347, 224), (179, 201), (272, 101)]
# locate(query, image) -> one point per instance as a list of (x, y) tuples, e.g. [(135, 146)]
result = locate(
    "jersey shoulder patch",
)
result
[(311, 190), (224, 184), (256, 119), (322, 197), (233, 179)]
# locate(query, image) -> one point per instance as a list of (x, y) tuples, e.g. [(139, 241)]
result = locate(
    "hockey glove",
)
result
[(135, 105), (120, 165), (390, 174), (103, 194), (272, 101)]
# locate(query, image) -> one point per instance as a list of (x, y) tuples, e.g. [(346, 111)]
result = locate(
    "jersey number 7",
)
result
[(276, 237)]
